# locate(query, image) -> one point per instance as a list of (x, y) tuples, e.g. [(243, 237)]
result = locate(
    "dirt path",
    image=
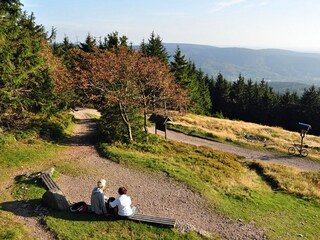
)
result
[(304, 164), (154, 194)]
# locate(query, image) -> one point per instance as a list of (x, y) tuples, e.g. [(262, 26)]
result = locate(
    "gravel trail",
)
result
[(151, 193), (301, 163)]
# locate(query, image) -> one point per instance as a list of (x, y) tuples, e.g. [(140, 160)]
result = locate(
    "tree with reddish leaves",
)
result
[(154, 82), (123, 78)]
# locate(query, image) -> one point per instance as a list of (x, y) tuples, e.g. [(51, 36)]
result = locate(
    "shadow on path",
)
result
[(87, 136)]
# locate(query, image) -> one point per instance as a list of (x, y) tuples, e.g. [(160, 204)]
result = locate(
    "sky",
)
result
[(257, 24)]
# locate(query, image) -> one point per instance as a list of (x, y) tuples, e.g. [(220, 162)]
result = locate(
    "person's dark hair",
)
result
[(122, 190)]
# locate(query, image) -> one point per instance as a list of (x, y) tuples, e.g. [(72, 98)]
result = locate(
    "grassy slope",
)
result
[(32, 155), (243, 133), (248, 191), (283, 200), (16, 157)]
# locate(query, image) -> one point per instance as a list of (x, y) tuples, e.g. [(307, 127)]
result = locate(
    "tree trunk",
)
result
[(126, 120), (145, 115)]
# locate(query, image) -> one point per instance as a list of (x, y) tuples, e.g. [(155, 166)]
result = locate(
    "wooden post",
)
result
[(165, 130)]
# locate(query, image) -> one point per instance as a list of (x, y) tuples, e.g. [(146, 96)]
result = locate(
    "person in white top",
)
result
[(98, 198), (122, 204)]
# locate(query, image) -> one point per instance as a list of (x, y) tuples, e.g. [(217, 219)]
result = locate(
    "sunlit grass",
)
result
[(245, 133), (232, 187), (12, 229), (89, 226)]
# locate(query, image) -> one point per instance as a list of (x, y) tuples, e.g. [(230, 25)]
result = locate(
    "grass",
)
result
[(280, 199), (89, 226), (32, 154), (14, 158), (67, 225), (24, 151), (12, 229), (243, 133)]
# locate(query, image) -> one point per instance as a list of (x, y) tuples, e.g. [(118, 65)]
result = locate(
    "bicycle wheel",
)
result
[(304, 152), (291, 150)]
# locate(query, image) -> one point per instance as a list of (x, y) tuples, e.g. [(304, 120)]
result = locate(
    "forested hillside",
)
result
[(34, 84), (41, 77), (273, 65)]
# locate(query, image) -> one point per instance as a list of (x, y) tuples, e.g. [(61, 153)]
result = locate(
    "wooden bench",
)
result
[(48, 181), (168, 222)]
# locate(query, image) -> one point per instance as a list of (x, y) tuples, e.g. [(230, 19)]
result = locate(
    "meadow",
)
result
[(246, 134), (282, 200)]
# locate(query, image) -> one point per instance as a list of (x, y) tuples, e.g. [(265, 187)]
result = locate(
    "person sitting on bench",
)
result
[(122, 204), (98, 198)]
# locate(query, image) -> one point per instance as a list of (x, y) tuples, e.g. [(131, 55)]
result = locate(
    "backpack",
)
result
[(80, 207)]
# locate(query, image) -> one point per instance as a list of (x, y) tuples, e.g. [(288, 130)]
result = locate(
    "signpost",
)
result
[(304, 128), (160, 122)]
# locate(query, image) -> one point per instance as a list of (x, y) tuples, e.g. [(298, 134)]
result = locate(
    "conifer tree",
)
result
[(26, 87), (180, 69), (113, 40), (237, 95), (155, 48), (220, 95), (89, 45), (310, 108), (199, 94), (62, 50), (288, 110)]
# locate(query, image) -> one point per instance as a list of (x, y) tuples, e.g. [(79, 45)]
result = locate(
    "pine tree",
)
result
[(25, 86), (237, 95), (310, 108), (155, 48), (180, 69), (89, 45), (220, 95), (113, 40), (287, 110), (62, 50), (199, 94)]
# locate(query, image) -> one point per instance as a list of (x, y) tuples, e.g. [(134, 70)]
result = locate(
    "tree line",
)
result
[(39, 76), (32, 80)]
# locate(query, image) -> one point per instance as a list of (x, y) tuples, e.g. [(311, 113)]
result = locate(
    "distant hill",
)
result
[(283, 69)]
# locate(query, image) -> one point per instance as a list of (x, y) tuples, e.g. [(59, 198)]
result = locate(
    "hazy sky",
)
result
[(286, 24)]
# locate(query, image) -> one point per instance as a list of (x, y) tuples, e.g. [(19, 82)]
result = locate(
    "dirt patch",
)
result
[(152, 193)]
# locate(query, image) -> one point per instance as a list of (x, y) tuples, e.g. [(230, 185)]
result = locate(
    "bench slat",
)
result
[(145, 217), (154, 219), (50, 183)]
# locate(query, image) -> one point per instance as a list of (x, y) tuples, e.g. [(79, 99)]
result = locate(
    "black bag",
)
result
[(110, 210), (80, 207)]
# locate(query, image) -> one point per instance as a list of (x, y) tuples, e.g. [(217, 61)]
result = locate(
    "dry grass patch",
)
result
[(290, 180), (247, 133)]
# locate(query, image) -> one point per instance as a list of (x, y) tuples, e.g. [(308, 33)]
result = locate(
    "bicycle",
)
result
[(299, 148)]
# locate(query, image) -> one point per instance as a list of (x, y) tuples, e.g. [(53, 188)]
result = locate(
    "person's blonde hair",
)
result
[(101, 183)]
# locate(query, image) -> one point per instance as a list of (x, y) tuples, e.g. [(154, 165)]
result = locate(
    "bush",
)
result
[(52, 128), (113, 129)]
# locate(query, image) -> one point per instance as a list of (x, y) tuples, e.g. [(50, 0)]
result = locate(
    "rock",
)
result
[(55, 200), (185, 228), (48, 171), (205, 234)]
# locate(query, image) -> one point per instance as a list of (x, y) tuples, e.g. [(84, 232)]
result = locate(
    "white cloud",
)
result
[(225, 4)]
